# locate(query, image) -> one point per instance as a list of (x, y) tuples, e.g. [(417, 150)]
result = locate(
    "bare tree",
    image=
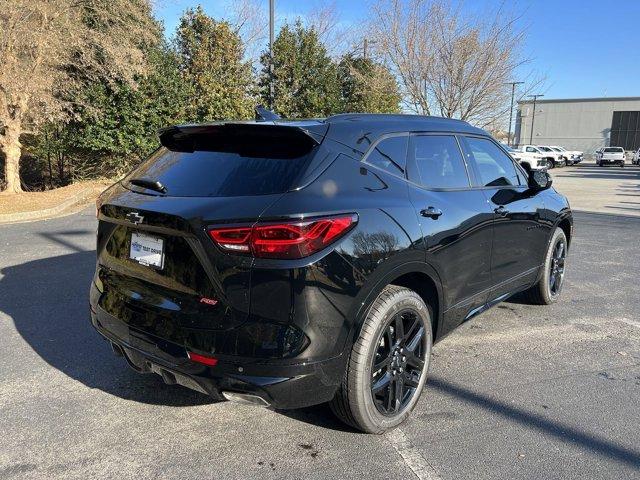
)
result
[(337, 37), (47, 47), (448, 63), (250, 20)]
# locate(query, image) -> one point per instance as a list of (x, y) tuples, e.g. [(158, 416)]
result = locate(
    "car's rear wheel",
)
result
[(547, 290), (388, 365)]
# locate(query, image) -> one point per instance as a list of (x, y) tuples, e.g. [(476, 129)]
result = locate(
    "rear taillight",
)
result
[(232, 239), (283, 240), (203, 359)]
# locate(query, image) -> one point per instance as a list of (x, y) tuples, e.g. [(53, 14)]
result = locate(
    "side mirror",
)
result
[(539, 180)]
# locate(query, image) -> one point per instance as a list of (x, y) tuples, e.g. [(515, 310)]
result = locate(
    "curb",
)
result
[(47, 212)]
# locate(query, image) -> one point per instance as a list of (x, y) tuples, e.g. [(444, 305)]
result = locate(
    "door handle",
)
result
[(503, 212), (431, 212)]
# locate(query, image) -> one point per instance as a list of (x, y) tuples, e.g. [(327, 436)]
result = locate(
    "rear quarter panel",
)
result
[(324, 294)]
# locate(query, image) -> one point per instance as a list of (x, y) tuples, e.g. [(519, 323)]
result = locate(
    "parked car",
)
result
[(636, 157), (551, 158), (558, 157), (531, 161), (290, 263), (609, 155), (571, 157)]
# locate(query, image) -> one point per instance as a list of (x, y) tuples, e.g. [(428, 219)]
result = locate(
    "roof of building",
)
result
[(577, 100)]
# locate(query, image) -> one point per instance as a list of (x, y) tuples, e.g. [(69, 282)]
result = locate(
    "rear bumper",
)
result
[(280, 385)]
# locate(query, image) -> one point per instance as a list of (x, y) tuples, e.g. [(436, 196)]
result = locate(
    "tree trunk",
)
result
[(12, 148)]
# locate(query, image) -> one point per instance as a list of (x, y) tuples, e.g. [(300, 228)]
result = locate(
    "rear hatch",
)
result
[(160, 276)]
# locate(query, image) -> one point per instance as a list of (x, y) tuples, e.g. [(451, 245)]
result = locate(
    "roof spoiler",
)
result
[(247, 138), (225, 134)]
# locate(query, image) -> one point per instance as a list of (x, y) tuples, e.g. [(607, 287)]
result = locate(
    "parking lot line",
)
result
[(411, 456)]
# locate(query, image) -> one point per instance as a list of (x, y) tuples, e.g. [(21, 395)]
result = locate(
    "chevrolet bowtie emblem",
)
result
[(134, 217)]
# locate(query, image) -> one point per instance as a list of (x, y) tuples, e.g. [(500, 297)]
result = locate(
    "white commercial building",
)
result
[(584, 124)]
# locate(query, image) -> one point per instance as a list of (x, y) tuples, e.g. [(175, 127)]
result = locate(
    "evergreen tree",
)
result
[(211, 59), (367, 86), (117, 123), (305, 78)]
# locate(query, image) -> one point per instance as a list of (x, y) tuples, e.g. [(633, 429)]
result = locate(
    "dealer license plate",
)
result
[(147, 250)]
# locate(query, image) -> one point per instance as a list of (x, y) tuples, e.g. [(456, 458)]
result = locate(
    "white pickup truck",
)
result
[(571, 156), (551, 158), (607, 155), (533, 160)]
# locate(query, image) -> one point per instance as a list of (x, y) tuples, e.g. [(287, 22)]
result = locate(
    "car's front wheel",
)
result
[(388, 366), (547, 290)]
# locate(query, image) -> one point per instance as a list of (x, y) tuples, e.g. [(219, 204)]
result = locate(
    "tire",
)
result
[(544, 292), (355, 402)]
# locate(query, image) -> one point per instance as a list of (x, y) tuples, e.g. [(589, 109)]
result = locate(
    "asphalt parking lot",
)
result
[(610, 189), (519, 392)]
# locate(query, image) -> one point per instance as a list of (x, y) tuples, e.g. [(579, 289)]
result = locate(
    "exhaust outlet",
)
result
[(245, 398)]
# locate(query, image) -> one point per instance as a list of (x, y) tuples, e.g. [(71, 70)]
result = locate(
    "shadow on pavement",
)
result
[(48, 300), (563, 432), (319, 416)]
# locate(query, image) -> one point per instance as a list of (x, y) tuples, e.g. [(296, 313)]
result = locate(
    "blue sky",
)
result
[(585, 48)]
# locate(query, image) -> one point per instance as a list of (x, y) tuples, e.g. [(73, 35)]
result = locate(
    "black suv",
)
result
[(290, 263)]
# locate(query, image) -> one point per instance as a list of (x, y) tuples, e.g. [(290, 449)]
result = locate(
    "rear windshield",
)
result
[(207, 172), (614, 150)]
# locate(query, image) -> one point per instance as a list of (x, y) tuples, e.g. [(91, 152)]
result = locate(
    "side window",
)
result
[(531, 150), (494, 167), (439, 161), (390, 154)]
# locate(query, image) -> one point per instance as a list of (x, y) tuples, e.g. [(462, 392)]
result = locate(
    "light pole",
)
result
[(271, 15), (533, 118), (513, 91)]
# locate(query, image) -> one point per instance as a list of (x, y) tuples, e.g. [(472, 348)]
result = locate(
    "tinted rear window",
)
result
[(613, 150), (207, 172)]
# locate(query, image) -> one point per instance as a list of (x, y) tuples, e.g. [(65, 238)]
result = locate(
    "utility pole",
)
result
[(271, 21), (365, 46), (533, 118), (513, 91)]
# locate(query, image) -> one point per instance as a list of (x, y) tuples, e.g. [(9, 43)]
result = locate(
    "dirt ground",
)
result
[(33, 201)]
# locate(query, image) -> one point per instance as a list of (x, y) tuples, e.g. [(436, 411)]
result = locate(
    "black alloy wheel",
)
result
[(556, 274), (388, 365), (398, 362), (551, 279)]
